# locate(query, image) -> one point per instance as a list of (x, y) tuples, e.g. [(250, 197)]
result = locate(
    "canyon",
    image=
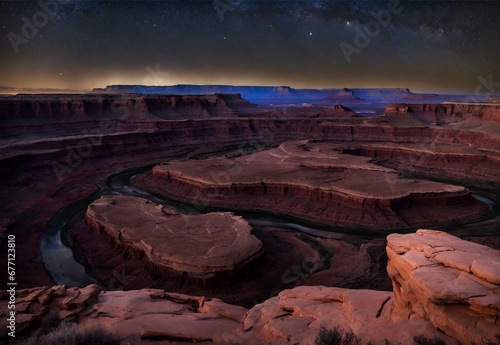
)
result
[(342, 182)]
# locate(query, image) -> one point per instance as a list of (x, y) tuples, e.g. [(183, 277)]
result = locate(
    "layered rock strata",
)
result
[(201, 250), (447, 113), (123, 106), (312, 181), (438, 159), (452, 283)]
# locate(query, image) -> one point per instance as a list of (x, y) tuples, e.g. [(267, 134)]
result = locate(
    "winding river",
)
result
[(64, 269)]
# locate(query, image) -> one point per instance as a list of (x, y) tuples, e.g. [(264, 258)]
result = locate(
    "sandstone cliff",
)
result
[(452, 283), (123, 106), (212, 249), (314, 182), (442, 114)]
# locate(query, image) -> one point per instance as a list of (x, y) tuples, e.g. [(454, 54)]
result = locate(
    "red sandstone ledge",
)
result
[(203, 247), (313, 181)]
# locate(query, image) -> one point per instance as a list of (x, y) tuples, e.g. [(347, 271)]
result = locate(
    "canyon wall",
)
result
[(316, 182), (123, 106), (209, 250), (441, 114), (115, 138)]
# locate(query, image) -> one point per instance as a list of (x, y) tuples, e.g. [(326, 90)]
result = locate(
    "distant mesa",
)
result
[(201, 250), (343, 96), (281, 94)]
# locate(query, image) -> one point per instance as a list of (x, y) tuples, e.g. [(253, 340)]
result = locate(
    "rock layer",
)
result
[(198, 249), (314, 182), (453, 283), (123, 106), (447, 113)]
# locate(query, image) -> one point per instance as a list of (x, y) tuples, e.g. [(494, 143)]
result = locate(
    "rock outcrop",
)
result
[(452, 283), (202, 250), (439, 159), (442, 114), (314, 182)]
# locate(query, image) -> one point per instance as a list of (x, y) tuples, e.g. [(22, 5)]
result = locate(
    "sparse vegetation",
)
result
[(51, 321), (494, 342), (68, 333), (335, 337), (421, 340)]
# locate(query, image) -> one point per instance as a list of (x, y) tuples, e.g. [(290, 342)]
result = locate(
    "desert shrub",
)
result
[(68, 333), (51, 321), (335, 337), (494, 342), (421, 340)]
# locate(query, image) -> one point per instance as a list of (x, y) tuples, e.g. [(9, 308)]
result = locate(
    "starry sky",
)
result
[(427, 46)]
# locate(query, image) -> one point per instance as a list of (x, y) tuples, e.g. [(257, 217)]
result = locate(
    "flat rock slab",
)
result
[(452, 282), (317, 182), (200, 245)]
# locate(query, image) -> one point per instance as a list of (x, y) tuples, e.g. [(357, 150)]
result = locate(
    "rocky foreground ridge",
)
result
[(444, 287)]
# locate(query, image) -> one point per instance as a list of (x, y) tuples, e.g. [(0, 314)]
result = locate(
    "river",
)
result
[(64, 269)]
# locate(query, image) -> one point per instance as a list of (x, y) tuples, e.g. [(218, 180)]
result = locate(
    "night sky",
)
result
[(436, 46)]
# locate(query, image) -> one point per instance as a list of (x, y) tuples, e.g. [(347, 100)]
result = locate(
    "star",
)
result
[(310, 34)]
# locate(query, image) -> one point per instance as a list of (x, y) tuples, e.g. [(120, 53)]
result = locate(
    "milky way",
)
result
[(438, 46)]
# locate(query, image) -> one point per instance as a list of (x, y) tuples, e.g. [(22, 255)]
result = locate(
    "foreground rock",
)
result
[(313, 181), (453, 283), (444, 287), (198, 249)]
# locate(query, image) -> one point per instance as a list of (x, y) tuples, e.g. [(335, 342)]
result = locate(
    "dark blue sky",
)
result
[(441, 46)]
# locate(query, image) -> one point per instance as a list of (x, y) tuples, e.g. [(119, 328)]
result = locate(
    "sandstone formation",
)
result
[(452, 283), (212, 248), (284, 94), (442, 114), (343, 96), (313, 181), (131, 106), (444, 288), (439, 159), (46, 164)]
